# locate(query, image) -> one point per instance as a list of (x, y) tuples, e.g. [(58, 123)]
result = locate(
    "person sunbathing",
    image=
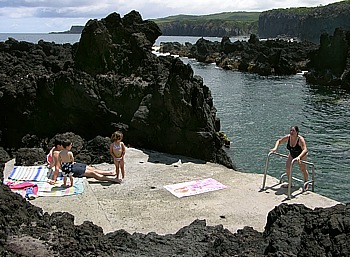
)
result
[(79, 169)]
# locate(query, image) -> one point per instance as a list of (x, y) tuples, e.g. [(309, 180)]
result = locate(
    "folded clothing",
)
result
[(31, 189)]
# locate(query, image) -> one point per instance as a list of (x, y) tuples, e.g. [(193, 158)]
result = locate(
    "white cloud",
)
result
[(57, 15), (16, 13)]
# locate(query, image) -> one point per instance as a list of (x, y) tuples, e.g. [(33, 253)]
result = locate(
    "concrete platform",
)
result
[(142, 204)]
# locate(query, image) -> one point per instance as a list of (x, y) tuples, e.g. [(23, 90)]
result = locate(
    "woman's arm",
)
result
[(278, 142), (302, 144)]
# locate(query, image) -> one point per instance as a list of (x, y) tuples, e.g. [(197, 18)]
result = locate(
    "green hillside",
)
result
[(307, 10), (225, 16), (215, 25)]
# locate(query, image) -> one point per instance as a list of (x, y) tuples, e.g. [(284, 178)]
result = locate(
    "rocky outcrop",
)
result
[(291, 230), (327, 64), (108, 81), (270, 57), (330, 63), (304, 23)]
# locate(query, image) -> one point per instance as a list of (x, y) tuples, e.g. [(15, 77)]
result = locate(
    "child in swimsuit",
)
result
[(117, 150), (66, 159)]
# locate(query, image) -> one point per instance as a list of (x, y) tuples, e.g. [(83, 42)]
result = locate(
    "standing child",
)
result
[(66, 159), (117, 150)]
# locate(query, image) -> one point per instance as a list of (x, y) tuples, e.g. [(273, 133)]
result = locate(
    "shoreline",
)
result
[(142, 204)]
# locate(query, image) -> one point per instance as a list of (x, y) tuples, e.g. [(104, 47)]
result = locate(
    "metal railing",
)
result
[(306, 183)]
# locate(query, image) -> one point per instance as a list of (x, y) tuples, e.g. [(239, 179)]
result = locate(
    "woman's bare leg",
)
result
[(102, 172), (304, 171), (95, 175)]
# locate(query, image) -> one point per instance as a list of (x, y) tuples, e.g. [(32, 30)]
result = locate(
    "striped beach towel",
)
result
[(29, 173), (45, 189), (40, 176)]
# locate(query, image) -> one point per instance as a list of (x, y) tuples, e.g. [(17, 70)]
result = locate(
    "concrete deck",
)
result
[(142, 204)]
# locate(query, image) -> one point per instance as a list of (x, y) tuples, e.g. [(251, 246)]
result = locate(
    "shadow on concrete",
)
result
[(169, 159)]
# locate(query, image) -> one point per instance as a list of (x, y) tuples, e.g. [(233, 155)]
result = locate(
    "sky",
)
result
[(43, 16)]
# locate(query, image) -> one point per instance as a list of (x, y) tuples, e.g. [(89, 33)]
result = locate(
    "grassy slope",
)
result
[(234, 17), (225, 16), (304, 10)]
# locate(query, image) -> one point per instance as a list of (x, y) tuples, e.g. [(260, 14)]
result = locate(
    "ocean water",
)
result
[(35, 37), (72, 38), (255, 111)]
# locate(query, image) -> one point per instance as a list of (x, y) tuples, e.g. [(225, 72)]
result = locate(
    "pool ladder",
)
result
[(312, 181)]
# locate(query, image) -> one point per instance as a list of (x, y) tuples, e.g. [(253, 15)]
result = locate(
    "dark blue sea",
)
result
[(255, 111)]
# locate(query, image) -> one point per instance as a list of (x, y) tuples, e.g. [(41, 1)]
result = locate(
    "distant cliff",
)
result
[(209, 29), (212, 25), (304, 23), (73, 30)]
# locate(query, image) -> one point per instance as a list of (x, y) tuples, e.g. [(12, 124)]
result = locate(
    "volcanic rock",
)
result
[(268, 57), (108, 81), (329, 66)]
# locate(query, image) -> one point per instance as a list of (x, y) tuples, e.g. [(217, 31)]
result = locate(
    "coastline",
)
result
[(142, 204)]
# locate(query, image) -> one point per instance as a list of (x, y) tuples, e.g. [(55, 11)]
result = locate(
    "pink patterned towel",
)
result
[(194, 187)]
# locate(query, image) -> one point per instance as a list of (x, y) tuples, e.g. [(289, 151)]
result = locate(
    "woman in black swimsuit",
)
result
[(297, 150)]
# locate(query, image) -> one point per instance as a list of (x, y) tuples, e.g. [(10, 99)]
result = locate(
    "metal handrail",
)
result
[(290, 174)]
